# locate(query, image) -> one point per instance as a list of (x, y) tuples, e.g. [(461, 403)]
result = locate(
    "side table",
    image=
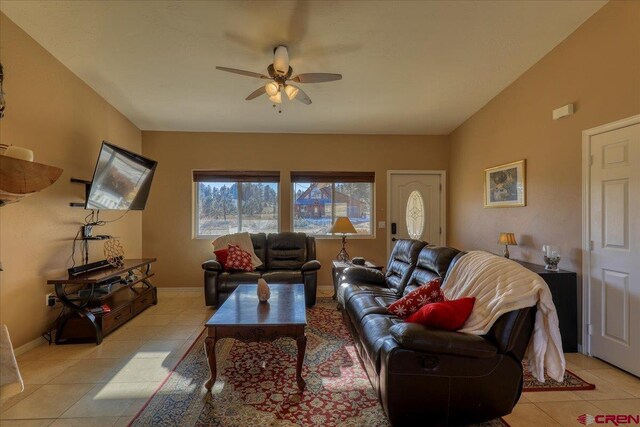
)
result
[(564, 290), (339, 266)]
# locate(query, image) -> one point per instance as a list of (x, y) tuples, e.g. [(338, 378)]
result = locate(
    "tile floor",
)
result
[(105, 386)]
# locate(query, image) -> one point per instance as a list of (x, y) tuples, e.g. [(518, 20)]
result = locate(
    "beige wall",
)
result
[(167, 220), (598, 69), (60, 118)]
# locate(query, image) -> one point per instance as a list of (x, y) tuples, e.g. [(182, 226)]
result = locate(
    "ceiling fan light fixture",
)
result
[(272, 88), (291, 92), (280, 73), (276, 99), (281, 59)]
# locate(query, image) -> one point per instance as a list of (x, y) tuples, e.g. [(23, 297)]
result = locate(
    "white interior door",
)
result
[(415, 207), (615, 247)]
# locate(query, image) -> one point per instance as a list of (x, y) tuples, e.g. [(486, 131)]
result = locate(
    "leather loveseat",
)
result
[(286, 258), (425, 376)]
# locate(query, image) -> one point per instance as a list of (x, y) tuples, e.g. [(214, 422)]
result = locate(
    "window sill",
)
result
[(318, 237), (362, 237)]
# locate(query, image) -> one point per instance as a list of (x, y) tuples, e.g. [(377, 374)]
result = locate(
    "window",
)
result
[(320, 197), (230, 202), (415, 215)]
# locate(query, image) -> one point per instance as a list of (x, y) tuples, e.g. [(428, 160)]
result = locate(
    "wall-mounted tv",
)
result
[(121, 180)]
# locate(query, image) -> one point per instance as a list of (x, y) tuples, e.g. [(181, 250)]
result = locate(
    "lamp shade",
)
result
[(343, 226), (291, 91), (272, 88), (277, 98), (507, 239)]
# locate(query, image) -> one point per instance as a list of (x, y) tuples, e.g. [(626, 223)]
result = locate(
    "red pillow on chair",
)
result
[(238, 259), (221, 255), (447, 315), (411, 302)]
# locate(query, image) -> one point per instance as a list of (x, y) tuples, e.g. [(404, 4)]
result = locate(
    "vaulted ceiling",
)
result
[(409, 67)]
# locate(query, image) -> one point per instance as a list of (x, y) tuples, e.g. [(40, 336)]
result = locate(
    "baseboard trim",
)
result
[(29, 346), (180, 289), (326, 289)]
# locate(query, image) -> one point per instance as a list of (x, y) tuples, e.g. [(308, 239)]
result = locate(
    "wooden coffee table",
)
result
[(244, 318)]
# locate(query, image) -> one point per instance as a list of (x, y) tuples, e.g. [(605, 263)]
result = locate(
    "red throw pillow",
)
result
[(447, 315), (221, 255), (411, 302), (237, 259)]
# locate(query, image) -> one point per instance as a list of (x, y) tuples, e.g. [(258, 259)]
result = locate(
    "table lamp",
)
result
[(507, 239), (343, 226)]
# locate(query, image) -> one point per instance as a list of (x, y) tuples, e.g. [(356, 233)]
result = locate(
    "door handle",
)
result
[(393, 239), (393, 228)]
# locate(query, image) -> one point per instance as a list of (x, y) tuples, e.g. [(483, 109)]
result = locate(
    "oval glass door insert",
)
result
[(415, 215)]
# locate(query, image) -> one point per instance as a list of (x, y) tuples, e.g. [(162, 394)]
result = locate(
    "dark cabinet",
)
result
[(564, 290), (128, 294)]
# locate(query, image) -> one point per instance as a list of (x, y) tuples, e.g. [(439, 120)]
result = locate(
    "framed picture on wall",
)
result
[(504, 185)]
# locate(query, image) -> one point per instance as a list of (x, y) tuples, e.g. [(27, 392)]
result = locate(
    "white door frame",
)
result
[(586, 221), (443, 201)]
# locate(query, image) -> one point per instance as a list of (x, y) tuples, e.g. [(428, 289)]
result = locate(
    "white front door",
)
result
[(614, 257), (415, 207)]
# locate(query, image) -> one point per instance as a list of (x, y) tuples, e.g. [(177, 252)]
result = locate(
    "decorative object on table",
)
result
[(358, 260), (507, 239), (551, 255), (504, 185), (114, 252), (264, 293), (343, 226)]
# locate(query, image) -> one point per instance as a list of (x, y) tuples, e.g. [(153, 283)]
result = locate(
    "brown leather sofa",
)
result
[(425, 376), (286, 257)]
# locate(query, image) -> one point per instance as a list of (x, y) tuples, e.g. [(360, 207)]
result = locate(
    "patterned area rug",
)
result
[(570, 382), (256, 383)]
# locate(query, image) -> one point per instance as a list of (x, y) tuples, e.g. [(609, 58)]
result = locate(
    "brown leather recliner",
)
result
[(287, 257), (425, 376)]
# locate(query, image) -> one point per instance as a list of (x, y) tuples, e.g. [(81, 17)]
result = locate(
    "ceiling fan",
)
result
[(280, 77)]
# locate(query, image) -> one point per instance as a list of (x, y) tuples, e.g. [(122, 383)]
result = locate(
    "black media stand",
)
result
[(126, 290)]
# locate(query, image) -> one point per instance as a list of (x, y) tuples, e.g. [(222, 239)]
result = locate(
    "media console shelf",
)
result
[(126, 290)]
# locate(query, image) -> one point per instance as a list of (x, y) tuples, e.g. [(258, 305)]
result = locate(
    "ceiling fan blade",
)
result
[(243, 72), (256, 93), (303, 97), (316, 77)]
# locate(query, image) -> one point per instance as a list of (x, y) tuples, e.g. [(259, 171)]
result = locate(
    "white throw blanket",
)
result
[(243, 240), (500, 286), (10, 379)]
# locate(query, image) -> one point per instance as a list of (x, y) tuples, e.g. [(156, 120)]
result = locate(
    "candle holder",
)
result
[(551, 256)]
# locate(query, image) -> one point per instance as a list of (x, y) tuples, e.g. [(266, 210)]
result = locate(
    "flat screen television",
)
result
[(121, 180)]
